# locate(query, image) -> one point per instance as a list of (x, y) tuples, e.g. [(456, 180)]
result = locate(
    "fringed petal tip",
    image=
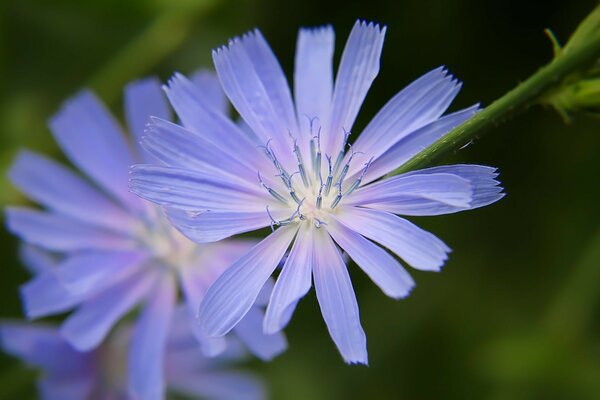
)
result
[(323, 31), (375, 26)]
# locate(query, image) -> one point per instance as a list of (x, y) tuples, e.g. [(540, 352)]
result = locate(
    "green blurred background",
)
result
[(515, 314)]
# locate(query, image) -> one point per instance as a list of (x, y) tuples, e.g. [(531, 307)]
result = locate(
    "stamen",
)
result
[(357, 183), (317, 163), (342, 152), (338, 198), (273, 222), (320, 198), (271, 191), (329, 176), (319, 223), (300, 164)]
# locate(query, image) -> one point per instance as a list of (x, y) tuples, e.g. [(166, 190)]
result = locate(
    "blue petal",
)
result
[(235, 291), (420, 249), (35, 259), (143, 99), (61, 190), (293, 282), (45, 295), (60, 233), (148, 342), (313, 78), (88, 326), (417, 105), (193, 190), (217, 385), (215, 225), (250, 331), (93, 141), (416, 194), (358, 68), (414, 142), (337, 300), (210, 90), (382, 268)]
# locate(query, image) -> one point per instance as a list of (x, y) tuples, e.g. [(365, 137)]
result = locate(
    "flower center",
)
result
[(317, 187)]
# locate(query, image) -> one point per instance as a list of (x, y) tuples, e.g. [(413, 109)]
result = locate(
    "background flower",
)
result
[(111, 252)]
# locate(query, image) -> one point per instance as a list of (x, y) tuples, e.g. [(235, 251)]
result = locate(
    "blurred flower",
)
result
[(110, 250), (68, 374), (290, 166)]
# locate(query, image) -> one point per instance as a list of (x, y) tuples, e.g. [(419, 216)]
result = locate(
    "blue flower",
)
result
[(110, 251), (290, 166), (68, 374)]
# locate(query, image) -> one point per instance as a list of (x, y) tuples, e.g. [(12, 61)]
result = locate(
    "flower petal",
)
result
[(337, 300), (417, 105), (217, 385), (93, 141), (193, 190), (178, 147), (148, 342), (66, 193), (416, 194), (36, 260), (235, 291), (486, 189), (358, 68), (87, 327), (197, 113), (66, 388), (45, 295), (313, 77), (144, 98), (250, 331), (212, 226), (414, 142), (382, 268), (420, 249), (60, 233), (293, 282), (86, 273), (209, 88), (256, 86)]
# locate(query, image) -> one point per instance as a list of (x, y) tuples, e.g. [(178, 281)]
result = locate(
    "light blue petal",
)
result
[(35, 259), (250, 331), (89, 272), (218, 385), (215, 225), (144, 98), (337, 300), (193, 190), (45, 295), (413, 143), (61, 190), (209, 89), (88, 326), (236, 290), (486, 189), (417, 105), (416, 194), (178, 147), (198, 114), (358, 68), (313, 78), (66, 388), (148, 342), (293, 282), (60, 233), (382, 268), (94, 142), (256, 86), (42, 347), (420, 249)]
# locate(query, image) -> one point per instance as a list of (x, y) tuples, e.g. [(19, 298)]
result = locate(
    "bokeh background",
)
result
[(515, 314)]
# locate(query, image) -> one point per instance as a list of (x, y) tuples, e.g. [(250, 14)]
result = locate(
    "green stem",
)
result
[(524, 95)]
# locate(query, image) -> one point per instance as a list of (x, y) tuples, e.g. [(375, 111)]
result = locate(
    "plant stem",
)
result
[(518, 99)]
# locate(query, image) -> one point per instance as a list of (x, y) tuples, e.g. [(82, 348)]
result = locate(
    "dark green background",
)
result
[(515, 313)]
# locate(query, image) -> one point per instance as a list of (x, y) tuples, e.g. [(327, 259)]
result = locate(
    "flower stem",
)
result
[(518, 99)]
